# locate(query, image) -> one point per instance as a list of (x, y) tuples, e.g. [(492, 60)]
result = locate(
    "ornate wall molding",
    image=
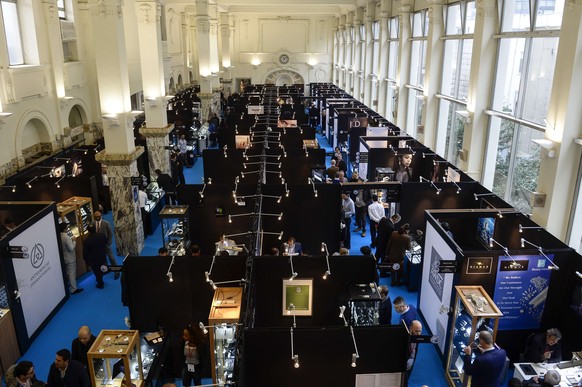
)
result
[(284, 20), (574, 4), (105, 8), (147, 13)]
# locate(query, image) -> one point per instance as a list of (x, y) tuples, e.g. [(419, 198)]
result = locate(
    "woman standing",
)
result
[(193, 354)]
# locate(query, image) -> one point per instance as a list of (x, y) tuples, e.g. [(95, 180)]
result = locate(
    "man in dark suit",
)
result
[(292, 247), (65, 372), (103, 227), (398, 243), (385, 310), (488, 364), (544, 346), (81, 345), (166, 183), (95, 253)]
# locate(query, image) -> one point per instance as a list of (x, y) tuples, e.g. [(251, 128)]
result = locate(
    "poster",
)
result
[(39, 276), (297, 297), (521, 289)]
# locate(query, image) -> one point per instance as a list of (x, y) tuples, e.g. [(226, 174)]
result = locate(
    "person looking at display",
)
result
[(407, 312), (375, 212), (162, 252), (489, 363), (385, 310), (193, 352), (415, 330), (94, 253), (341, 164), (385, 228), (361, 197), (332, 170), (550, 379), (22, 375), (404, 169), (292, 247), (65, 372), (166, 183), (70, 258), (103, 227), (396, 248), (81, 345), (348, 210), (544, 347)]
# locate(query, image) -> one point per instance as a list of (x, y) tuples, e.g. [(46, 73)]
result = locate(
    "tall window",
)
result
[(525, 70), (417, 71), (458, 48), (391, 103), (61, 9), (375, 68), (12, 32)]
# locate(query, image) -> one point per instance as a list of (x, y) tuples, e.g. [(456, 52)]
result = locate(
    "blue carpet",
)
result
[(102, 309)]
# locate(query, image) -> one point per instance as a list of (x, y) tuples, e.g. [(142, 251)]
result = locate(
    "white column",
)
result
[(403, 69), (383, 69), (434, 68), (151, 60), (479, 93), (225, 39), (557, 175), (203, 44), (367, 65)]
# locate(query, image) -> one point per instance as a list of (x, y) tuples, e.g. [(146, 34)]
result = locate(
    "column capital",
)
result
[(156, 132), (119, 159), (148, 11), (574, 4), (106, 8)]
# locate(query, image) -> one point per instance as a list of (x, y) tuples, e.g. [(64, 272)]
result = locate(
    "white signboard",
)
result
[(256, 109), (39, 275)]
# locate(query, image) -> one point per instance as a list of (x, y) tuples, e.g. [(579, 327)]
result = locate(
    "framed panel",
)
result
[(297, 297)]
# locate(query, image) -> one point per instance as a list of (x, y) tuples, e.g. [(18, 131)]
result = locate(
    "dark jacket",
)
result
[(536, 346), (75, 376), (79, 351), (166, 183), (397, 246), (94, 249), (486, 368), (385, 312)]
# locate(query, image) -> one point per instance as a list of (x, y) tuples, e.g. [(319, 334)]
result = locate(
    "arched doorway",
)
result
[(284, 77), (77, 116), (34, 134)]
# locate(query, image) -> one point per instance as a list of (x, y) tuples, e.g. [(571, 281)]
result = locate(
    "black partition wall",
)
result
[(533, 288)]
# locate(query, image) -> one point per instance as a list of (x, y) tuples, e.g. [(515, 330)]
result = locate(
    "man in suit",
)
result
[(386, 226), (166, 183), (396, 248), (544, 346), (103, 227), (81, 345), (385, 310), (95, 253), (489, 362), (65, 372), (292, 247), (415, 330), (70, 258)]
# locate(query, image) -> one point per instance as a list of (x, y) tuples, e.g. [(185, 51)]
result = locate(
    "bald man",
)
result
[(415, 330), (82, 344), (487, 367)]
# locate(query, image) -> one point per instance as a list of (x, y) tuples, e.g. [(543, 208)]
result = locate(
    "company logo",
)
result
[(37, 255)]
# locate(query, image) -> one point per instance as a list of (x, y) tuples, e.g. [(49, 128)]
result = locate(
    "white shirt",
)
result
[(376, 211), (143, 198)]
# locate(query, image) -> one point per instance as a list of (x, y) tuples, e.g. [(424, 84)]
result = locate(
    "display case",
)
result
[(364, 302), (115, 359), (153, 207), (175, 229), (77, 212), (223, 320), (155, 194), (474, 312), (154, 352)]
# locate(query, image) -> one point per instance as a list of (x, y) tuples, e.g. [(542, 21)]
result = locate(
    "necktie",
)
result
[(98, 223)]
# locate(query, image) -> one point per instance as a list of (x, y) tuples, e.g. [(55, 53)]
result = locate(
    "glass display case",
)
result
[(115, 359), (364, 302), (155, 194), (223, 320), (175, 229), (474, 312), (77, 212), (154, 351)]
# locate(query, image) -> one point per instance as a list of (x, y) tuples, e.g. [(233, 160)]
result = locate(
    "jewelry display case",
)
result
[(77, 212), (153, 207), (154, 352), (223, 320), (155, 194), (474, 312), (363, 303), (175, 229), (115, 359)]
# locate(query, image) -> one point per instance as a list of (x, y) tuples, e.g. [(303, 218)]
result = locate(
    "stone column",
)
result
[(129, 233), (434, 60), (157, 140), (203, 43), (225, 38), (558, 175), (205, 102), (120, 152)]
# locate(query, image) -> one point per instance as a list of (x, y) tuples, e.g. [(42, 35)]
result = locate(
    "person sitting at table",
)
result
[(550, 379), (292, 247), (225, 244), (544, 347)]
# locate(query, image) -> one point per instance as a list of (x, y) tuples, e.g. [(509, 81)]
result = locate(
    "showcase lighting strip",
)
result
[(278, 234), (239, 281), (477, 196), (505, 250), (459, 189), (12, 187), (169, 272), (540, 250), (324, 249), (356, 355), (30, 181), (342, 309), (57, 184), (291, 312), (294, 357), (438, 190), (538, 228), (293, 272), (312, 182), (428, 154), (499, 213)]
